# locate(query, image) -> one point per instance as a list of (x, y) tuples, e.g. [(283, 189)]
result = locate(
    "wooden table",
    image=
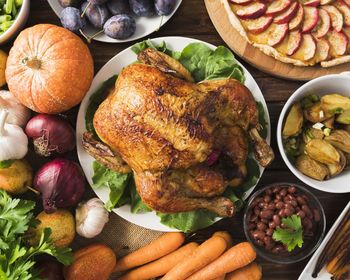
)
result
[(192, 20)]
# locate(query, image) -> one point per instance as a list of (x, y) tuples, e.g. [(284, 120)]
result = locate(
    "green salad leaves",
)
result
[(204, 64), (16, 259), (201, 61)]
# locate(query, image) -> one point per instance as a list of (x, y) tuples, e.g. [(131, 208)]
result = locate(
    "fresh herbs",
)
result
[(16, 259), (292, 234), (6, 163)]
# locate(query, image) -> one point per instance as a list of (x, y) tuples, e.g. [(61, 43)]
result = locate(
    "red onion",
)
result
[(50, 134), (213, 157), (61, 183), (51, 270)]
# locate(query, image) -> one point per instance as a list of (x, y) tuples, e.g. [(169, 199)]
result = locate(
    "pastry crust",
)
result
[(271, 51)]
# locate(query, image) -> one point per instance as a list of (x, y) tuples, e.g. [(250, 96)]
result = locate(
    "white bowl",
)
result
[(18, 24), (338, 83)]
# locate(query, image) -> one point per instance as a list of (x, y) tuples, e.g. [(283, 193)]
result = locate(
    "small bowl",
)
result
[(18, 24), (298, 254), (338, 83)]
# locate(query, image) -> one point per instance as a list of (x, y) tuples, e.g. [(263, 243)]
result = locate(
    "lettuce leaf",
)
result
[(116, 182)]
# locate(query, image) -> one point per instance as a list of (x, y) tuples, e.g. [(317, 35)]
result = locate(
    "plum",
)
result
[(142, 7), (97, 15), (164, 7), (69, 3), (120, 27), (117, 7), (71, 19)]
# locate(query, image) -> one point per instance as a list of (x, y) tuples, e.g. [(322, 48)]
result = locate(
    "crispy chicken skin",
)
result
[(165, 127)]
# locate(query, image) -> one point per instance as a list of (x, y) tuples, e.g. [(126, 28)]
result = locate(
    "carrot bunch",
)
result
[(212, 260)]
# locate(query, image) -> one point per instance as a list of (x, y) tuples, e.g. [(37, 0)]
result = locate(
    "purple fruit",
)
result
[(142, 7), (120, 27), (164, 7), (118, 7), (71, 19), (97, 15), (69, 3)]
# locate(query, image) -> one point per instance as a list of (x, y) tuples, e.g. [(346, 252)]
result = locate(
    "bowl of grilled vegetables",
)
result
[(314, 133)]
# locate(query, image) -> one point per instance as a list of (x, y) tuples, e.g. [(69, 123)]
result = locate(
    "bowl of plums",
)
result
[(285, 222), (313, 133), (114, 21)]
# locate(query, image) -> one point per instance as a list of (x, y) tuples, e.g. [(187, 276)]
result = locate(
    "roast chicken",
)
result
[(184, 142)]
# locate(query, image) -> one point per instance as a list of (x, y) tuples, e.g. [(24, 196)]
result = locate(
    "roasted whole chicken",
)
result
[(184, 142)]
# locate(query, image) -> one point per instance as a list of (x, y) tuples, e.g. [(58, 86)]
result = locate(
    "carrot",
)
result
[(238, 256), (160, 267), (250, 272), (202, 256), (158, 248), (225, 235)]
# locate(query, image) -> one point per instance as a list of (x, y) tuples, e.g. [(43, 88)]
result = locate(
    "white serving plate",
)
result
[(336, 83), (114, 66), (144, 25), (323, 275)]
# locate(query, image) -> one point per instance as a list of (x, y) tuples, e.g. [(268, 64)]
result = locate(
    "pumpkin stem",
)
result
[(3, 117), (33, 63)]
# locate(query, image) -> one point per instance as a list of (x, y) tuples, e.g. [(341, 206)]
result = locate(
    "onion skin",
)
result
[(50, 134), (51, 270), (61, 183)]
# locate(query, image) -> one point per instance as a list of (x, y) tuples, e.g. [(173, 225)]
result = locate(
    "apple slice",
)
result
[(288, 14), (336, 17), (345, 11), (298, 18), (278, 6), (323, 25), (257, 25), (307, 50), (347, 2), (294, 42), (338, 42), (277, 34), (325, 2), (251, 11), (240, 2), (312, 3), (346, 31), (310, 19), (322, 50)]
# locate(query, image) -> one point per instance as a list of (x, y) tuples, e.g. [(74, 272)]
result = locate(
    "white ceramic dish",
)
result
[(323, 275), (144, 25), (338, 83), (114, 66), (18, 24)]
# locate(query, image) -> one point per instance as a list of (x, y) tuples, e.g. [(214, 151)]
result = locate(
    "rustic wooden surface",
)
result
[(257, 58), (192, 20)]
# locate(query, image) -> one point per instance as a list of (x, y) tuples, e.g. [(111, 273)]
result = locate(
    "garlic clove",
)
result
[(91, 217), (18, 113)]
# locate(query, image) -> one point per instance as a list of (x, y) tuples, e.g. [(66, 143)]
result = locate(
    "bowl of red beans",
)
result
[(285, 222)]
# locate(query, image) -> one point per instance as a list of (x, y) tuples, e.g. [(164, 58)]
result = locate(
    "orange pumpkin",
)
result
[(49, 69)]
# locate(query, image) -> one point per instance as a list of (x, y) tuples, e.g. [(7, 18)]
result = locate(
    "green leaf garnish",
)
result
[(292, 235)]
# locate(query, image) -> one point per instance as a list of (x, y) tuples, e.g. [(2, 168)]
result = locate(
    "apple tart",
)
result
[(303, 33)]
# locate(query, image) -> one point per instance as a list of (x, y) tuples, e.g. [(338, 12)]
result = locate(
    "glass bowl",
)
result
[(308, 247)]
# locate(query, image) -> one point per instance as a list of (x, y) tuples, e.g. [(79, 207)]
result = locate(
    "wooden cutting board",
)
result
[(257, 58)]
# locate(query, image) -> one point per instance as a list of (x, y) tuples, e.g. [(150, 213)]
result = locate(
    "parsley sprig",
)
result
[(16, 259), (292, 234)]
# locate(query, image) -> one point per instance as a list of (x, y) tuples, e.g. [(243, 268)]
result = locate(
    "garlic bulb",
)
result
[(13, 140), (18, 113), (91, 217)]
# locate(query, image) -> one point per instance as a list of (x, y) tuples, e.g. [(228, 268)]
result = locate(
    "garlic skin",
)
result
[(13, 140), (18, 113), (91, 217)]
